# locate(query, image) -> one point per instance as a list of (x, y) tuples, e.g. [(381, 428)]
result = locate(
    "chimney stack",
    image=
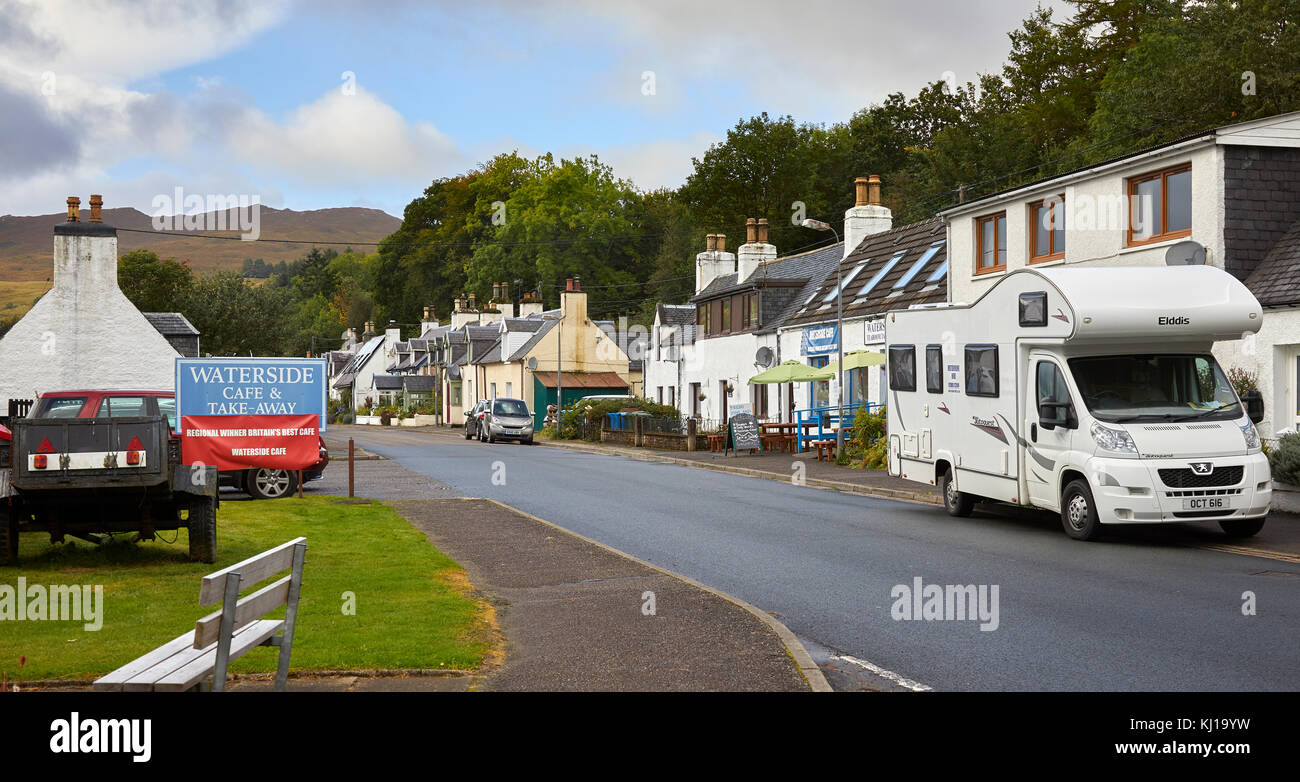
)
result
[(473, 303), (714, 262), (755, 251), (868, 215), (73, 203), (96, 208)]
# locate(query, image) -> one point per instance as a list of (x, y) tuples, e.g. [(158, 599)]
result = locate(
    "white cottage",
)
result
[(84, 333)]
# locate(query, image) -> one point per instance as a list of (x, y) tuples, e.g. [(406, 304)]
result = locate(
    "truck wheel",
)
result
[(8, 538), (1242, 528), (203, 530), (268, 484), (1079, 512), (957, 503)]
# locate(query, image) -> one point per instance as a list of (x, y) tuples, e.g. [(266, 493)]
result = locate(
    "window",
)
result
[(659, 395), (672, 396), (455, 393), (902, 368), (982, 370), (702, 318), (726, 316), (510, 408), (820, 391), (509, 390), (56, 407), (123, 407), (939, 273), (1033, 308), (1160, 205), (753, 310), (934, 369), (1047, 230), (920, 264), (878, 276), (835, 289), (991, 243), (695, 399), (1051, 388), (493, 393), (167, 409), (760, 401)]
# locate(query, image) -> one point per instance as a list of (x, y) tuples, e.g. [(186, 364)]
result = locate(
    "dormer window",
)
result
[(1160, 205)]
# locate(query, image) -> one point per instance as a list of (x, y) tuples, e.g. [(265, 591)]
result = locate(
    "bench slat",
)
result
[(255, 606), (113, 682), (251, 571), (201, 667)]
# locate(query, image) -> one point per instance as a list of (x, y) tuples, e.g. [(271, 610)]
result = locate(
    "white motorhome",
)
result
[(1089, 392)]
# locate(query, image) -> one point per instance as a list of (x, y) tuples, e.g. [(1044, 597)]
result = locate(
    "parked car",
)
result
[(474, 420), (507, 419), (262, 483)]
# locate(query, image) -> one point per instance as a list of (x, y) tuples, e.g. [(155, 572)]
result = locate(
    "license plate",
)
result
[(1207, 503)]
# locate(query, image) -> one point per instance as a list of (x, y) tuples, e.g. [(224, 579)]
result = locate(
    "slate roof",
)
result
[(388, 382), (418, 383), (171, 324), (891, 255), (1276, 281), (542, 330)]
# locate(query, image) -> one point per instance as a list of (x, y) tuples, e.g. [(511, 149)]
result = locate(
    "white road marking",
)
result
[(901, 681)]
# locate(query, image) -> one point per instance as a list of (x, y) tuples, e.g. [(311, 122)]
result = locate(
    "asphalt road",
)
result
[(1134, 612)]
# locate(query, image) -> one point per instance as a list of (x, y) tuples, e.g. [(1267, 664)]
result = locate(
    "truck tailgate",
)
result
[(50, 453)]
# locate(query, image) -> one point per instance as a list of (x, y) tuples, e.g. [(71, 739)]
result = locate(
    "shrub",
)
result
[(587, 417), (1243, 381), (868, 442), (1284, 459)]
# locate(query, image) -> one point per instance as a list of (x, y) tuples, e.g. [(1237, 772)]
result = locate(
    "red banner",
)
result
[(237, 442)]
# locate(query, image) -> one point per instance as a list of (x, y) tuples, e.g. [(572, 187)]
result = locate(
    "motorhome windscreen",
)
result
[(1120, 389)]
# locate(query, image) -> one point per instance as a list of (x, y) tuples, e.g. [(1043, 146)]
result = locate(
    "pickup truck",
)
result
[(118, 471)]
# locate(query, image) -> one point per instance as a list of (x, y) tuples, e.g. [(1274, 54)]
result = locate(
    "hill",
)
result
[(26, 242)]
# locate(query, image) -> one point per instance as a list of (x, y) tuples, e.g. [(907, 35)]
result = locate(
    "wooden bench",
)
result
[(825, 449), (717, 442), (185, 663)]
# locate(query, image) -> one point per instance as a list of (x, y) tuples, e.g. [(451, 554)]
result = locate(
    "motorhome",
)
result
[(1089, 392)]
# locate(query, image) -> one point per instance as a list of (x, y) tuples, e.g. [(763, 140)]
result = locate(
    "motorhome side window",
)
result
[(1052, 388), (1033, 308), (934, 369), (982, 370), (902, 368)]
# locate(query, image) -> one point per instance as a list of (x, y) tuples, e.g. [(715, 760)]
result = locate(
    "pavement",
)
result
[(1135, 611)]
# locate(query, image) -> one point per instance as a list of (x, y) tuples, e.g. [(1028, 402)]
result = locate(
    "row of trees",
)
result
[(1114, 76), (285, 315)]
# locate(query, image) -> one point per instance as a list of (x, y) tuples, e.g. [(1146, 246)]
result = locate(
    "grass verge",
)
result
[(412, 609)]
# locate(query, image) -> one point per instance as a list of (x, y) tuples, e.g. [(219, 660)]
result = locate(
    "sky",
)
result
[(330, 103)]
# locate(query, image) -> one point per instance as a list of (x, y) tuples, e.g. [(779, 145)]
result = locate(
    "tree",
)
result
[(238, 319), (154, 285)]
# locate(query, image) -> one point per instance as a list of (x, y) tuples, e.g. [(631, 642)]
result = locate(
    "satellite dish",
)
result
[(1186, 253), (764, 357), (532, 362)]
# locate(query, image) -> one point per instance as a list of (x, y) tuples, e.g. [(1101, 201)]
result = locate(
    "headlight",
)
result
[(1114, 440), (1252, 436)]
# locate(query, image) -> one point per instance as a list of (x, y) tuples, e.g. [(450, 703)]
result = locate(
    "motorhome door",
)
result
[(1049, 425)]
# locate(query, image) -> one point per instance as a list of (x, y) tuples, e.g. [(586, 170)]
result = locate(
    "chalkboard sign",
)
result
[(742, 433)]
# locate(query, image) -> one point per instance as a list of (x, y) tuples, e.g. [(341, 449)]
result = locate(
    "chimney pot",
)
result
[(710, 242), (751, 231), (860, 191), (873, 183), (577, 283), (73, 203), (96, 208), (722, 243), (473, 301), (762, 230)]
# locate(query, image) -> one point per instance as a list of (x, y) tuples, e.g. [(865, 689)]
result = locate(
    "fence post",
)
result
[(351, 448), (638, 430), (691, 428)]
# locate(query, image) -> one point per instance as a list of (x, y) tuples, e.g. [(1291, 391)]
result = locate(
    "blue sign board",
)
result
[(250, 386), (819, 340)]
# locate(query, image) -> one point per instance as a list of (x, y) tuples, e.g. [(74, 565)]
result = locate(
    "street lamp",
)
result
[(818, 225)]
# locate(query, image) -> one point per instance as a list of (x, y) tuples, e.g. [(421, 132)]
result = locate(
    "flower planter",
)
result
[(419, 420), (368, 420)]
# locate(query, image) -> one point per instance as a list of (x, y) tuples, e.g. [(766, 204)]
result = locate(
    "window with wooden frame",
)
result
[(724, 324), (752, 309), (702, 318), (1047, 230), (991, 243), (1160, 205)]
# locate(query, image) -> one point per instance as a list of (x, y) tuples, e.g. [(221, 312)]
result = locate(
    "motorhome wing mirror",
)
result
[(1254, 402), (1050, 417)]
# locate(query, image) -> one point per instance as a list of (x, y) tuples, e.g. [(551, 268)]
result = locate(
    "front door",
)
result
[(1046, 444)]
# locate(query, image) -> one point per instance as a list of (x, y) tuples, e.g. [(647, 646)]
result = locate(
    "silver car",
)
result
[(507, 419)]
